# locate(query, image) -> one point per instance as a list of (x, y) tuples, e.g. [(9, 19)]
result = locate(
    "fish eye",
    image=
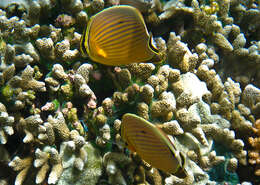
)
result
[(143, 132)]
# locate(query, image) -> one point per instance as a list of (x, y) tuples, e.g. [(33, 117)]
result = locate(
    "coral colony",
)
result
[(61, 113)]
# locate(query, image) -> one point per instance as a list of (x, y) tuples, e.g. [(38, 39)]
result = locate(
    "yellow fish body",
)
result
[(152, 145), (118, 36)]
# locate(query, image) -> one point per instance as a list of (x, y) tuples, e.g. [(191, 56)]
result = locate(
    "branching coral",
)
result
[(85, 159), (6, 124), (179, 54), (112, 161), (44, 159), (64, 83), (21, 165), (49, 160), (41, 118), (72, 152), (254, 155), (159, 99), (228, 26), (226, 97), (50, 101), (30, 126)]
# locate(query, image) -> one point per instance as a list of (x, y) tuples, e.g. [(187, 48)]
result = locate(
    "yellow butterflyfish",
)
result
[(118, 36), (152, 145)]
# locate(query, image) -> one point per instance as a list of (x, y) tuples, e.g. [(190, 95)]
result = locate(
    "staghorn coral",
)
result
[(30, 126), (48, 159), (73, 153), (45, 158), (49, 46), (29, 82), (19, 90), (64, 53)]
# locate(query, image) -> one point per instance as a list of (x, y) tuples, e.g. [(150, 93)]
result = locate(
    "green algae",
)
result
[(7, 93)]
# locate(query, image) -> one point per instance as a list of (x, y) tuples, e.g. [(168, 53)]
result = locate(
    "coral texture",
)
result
[(60, 112)]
